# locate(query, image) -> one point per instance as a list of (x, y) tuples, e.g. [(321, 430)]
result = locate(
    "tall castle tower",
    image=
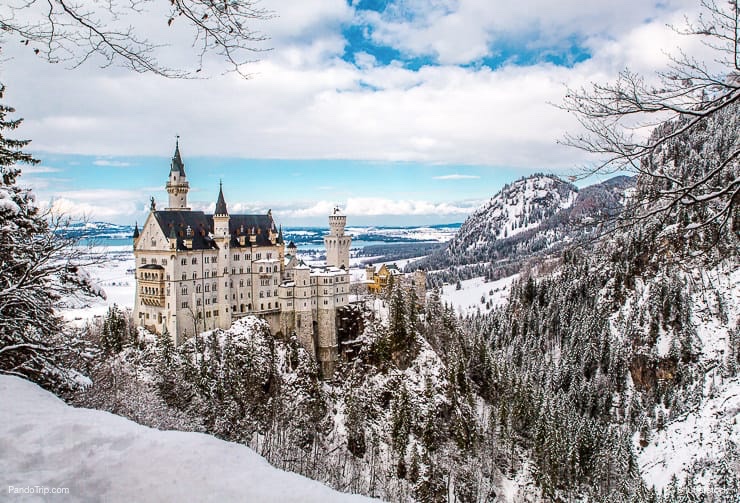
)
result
[(336, 242), (177, 184)]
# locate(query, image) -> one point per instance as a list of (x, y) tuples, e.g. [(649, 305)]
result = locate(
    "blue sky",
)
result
[(402, 111)]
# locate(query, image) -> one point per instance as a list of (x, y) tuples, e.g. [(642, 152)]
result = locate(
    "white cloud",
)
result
[(109, 163), (33, 170), (305, 102), (456, 176)]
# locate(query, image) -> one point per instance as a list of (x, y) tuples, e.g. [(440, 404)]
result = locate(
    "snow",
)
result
[(467, 300), (693, 438), (700, 437), (115, 277), (99, 456)]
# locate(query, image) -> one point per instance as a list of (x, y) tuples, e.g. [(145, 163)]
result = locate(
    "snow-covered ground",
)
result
[(98, 456), (700, 437), (467, 300), (695, 438), (115, 275)]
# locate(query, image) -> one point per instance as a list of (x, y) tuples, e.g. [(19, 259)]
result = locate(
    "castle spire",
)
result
[(177, 183), (177, 164), (136, 230), (221, 202)]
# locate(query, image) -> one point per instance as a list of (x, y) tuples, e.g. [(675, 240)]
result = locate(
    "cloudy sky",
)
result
[(403, 111)]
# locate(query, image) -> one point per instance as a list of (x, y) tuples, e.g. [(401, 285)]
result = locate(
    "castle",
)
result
[(198, 272)]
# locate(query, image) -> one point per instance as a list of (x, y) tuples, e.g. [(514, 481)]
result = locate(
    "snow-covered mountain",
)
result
[(533, 216), (517, 208), (98, 456)]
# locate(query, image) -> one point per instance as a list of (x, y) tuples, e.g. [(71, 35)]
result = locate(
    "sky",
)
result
[(403, 112)]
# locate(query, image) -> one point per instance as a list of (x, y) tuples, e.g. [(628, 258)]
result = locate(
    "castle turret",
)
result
[(136, 234), (221, 216), (336, 242), (177, 184)]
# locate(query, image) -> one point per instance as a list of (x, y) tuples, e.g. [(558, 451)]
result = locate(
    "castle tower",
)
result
[(177, 183), (336, 242)]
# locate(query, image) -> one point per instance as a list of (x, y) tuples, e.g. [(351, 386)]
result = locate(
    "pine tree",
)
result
[(37, 269)]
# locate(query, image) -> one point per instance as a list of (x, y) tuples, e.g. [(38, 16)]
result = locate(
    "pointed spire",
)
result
[(221, 202), (177, 164), (280, 234), (136, 230)]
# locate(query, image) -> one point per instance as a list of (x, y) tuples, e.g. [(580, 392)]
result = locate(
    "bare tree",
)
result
[(121, 31), (683, 100)]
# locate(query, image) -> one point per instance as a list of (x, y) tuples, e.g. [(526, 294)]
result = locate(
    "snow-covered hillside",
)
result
[(103, 457), (518, 207)]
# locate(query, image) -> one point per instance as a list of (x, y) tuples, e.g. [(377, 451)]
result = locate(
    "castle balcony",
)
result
[(151, 285)]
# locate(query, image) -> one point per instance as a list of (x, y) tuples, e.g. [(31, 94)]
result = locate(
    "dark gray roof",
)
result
[(177, 164), (201, 227), (221, 202)]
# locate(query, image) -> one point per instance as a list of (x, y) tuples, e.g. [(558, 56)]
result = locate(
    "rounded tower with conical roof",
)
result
[(177, 183)]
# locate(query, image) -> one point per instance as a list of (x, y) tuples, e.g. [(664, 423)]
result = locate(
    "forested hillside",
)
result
[(575, 388), (533, 217)]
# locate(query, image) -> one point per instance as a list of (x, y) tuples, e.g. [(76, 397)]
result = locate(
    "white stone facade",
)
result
[(197, 272)]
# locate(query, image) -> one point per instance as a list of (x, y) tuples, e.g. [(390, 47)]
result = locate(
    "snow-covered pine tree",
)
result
[(37, 269)]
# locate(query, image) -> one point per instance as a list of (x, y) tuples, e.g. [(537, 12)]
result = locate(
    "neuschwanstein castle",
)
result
[(197, 272)]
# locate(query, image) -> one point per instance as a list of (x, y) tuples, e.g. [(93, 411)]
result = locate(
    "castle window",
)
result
[(184, 290), (215, 300), (195, 260), (184, 305), (275, 293), (258, 256), (226, 270), (143, 260), (249, 306), (184, 276), (215, 314), (241, 270), (168, 277), (262, 307), (164, 261), (208, 288), (233, 270), (197, 302), (195, 275), (236, 257), (269, 305), (207, 274), (269, 255), (262, 295), (260, 268), (197, 289), (208, 302), (215, 286), (183, 261), (247, 257), (249, 270), (241, 282)]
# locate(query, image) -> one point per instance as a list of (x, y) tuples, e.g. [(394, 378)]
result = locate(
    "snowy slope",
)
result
[(103, 457), (519, 207), (695, 440), (467, 300), (703, 438)]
